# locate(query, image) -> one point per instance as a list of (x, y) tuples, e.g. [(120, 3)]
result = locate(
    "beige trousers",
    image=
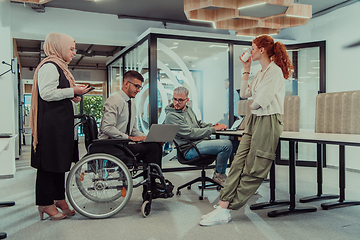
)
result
[(253, 159)]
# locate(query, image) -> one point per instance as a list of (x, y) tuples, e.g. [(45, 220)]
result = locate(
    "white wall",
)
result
[(339, 28), (84, 27), (6, 81), (7, 93)]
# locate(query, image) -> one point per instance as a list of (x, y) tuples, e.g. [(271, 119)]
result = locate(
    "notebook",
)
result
[(162, 133)]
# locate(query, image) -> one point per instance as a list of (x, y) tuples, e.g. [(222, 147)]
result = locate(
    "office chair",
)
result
[(202, 161), (3, 235)]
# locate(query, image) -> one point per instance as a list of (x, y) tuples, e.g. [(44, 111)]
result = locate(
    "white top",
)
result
[(267, 90), (48, 80)]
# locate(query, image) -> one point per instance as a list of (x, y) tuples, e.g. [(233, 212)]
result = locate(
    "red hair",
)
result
[(276, 52)]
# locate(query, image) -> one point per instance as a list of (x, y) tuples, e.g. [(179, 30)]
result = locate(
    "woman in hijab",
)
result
[(52, 123)]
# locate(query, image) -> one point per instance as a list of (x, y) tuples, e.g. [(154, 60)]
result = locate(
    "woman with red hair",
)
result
[(256, 151)]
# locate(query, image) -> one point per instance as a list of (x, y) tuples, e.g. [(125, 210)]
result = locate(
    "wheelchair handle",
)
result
[(78, 116)]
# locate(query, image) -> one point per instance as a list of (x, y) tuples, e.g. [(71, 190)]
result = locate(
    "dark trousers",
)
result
[(147, 152), (150, 152), (50, 186)]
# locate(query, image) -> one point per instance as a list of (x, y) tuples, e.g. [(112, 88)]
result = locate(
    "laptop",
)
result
[(236, 124), (162, 133)]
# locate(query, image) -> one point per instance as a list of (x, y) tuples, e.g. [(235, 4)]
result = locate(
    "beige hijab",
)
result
[(56, 47)]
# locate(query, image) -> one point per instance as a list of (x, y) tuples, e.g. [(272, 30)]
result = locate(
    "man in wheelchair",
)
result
[(119, 122)]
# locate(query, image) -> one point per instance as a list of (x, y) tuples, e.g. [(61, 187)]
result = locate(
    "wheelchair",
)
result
[(99, 185)]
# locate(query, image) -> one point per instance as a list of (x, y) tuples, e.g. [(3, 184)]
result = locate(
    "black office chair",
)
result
[(3, 235), (202, 161)]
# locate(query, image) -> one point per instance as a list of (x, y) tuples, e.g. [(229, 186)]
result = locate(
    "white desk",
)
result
[(7, 157), (341, 140)]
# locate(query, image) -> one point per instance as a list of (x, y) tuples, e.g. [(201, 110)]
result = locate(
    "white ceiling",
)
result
[(167, 12)]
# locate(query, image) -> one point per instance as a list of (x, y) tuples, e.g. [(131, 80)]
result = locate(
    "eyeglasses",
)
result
[(73, 49), (139, 87), (179, 100)]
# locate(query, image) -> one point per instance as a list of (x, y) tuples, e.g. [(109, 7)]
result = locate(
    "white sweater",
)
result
[(267, 90)]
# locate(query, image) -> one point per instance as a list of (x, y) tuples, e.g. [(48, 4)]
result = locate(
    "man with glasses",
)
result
[(119, 122), (194, 131)]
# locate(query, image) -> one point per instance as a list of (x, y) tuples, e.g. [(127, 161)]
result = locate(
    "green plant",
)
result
[(93, 105)]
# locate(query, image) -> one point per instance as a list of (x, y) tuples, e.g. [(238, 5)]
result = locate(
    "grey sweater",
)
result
[(191, 130)]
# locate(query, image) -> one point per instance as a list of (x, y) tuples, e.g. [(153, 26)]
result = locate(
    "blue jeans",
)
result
[(220, 147)]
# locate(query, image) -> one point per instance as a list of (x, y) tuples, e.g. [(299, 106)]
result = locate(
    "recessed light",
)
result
[(254, 5)]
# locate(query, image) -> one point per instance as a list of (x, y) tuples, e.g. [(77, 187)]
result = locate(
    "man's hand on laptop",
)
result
[(220, 126), (138, 138)]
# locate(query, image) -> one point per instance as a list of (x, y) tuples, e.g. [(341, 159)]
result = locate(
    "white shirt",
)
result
[(116, 116), (48, 80), (267, 90)]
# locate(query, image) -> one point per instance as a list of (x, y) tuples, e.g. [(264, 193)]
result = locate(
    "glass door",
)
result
[(307, 81)]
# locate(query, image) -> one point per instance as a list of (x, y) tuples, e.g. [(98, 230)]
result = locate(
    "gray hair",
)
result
[(181, 89)]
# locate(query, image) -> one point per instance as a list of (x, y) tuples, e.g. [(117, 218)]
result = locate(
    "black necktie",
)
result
[(129, 120)]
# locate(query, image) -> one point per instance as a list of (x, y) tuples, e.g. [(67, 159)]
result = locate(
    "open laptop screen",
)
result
[(237, 123)]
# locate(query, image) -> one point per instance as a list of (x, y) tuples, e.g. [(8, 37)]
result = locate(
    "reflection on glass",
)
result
[(307, 87), (137, 60), (201, 67), (115, 76)]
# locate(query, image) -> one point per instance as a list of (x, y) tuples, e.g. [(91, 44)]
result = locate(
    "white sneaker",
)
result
[(204, 216), (218, 216)]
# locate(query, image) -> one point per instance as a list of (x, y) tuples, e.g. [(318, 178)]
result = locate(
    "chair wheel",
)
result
[(146, 208), (3, 235), (218, 188), (189, 187), (178, 192), (201, 198)]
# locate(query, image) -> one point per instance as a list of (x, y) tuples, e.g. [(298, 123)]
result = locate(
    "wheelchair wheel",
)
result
[(99, 185), (146, 208)]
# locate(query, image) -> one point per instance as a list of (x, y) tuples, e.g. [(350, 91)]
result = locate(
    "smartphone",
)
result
[(90, 89)]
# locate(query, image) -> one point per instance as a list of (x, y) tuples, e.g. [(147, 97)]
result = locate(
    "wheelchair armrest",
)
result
[(111, 141), (121, 142)]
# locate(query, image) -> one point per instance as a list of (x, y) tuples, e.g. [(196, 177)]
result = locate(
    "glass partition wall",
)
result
[(201, 67), (210, 68)]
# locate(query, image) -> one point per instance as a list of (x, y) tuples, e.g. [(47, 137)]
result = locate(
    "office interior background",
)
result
[(198, 57)]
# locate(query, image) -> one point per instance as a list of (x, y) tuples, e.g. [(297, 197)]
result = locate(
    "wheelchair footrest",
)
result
[(163, 192)]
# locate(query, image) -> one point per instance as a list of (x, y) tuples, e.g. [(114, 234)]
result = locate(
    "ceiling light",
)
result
[(208, 21), (254, 5), (296, 16), (174, 47), (219, 46)]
